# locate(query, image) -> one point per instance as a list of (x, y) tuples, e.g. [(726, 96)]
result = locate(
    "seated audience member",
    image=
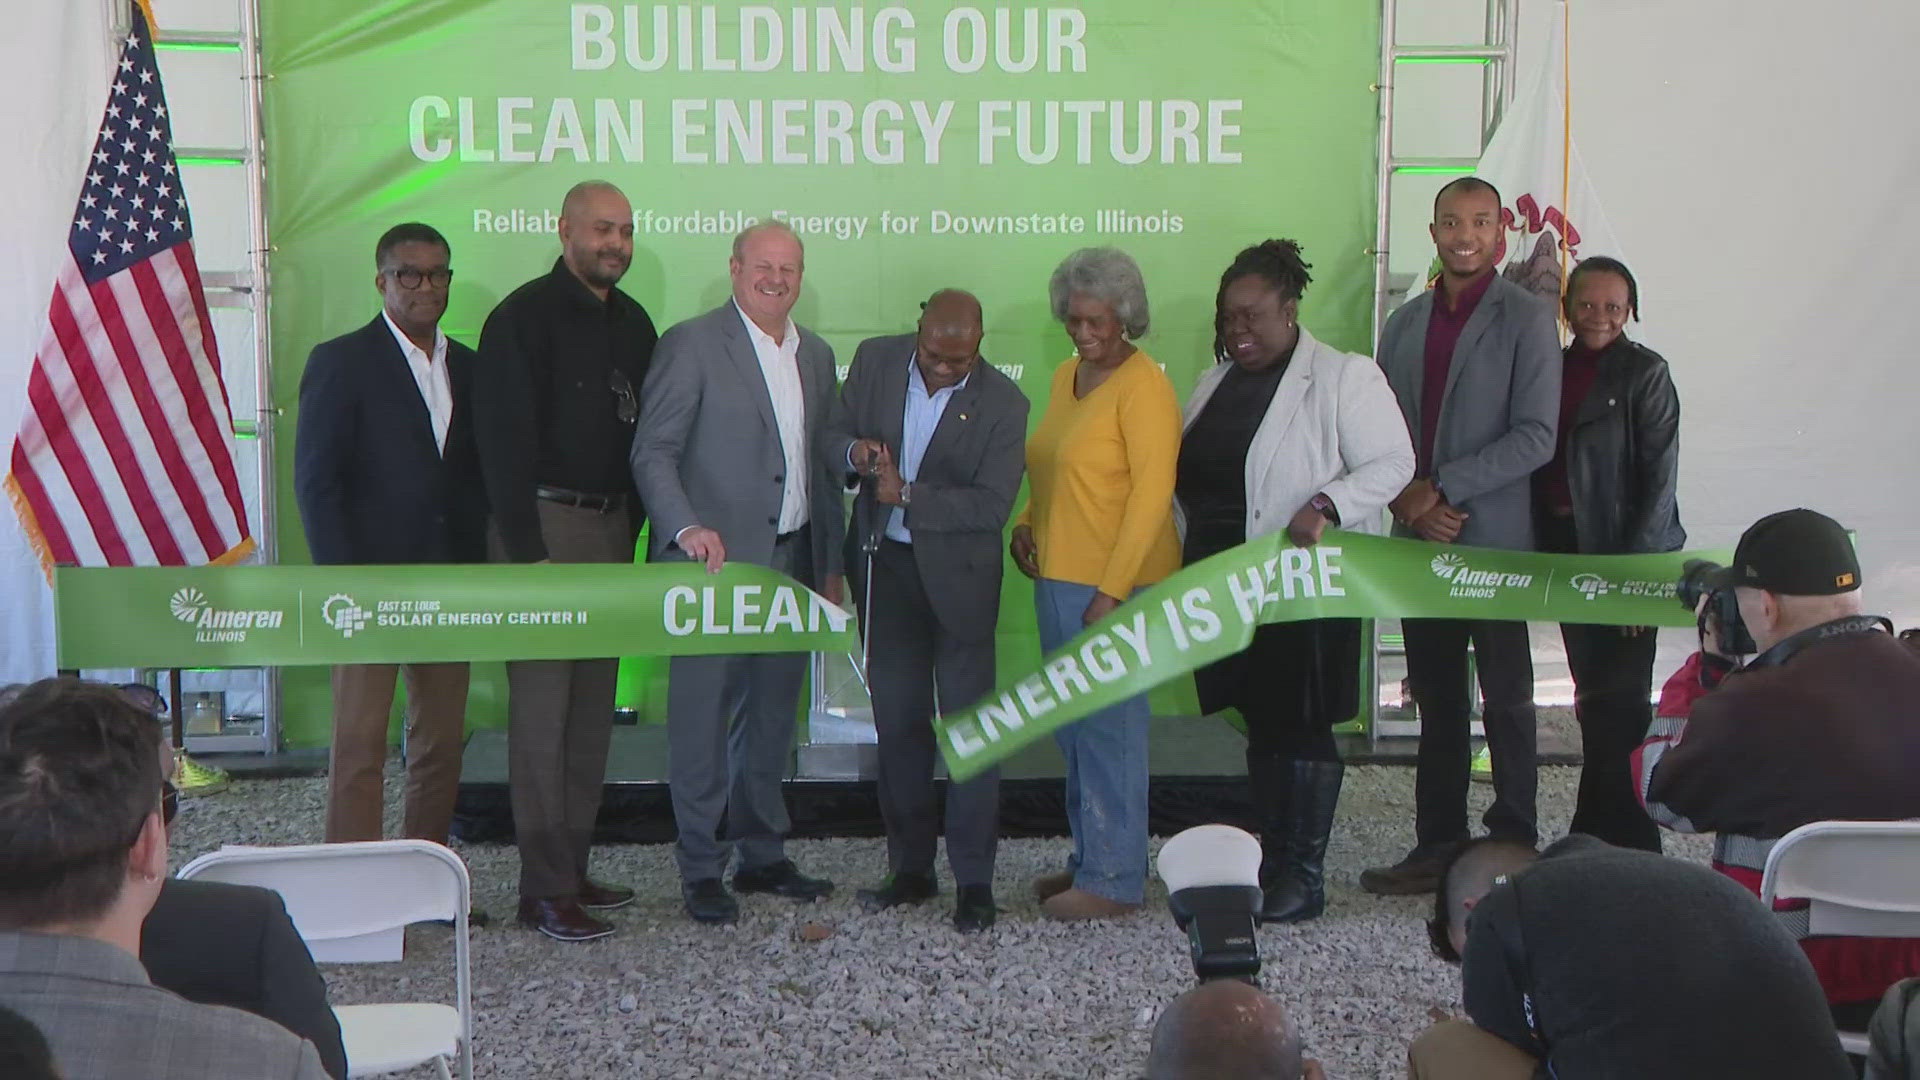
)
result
[(1894, 1035), (1599, 961), (233, 945), (24, 1053), (1822, 724), (1224, 1028), (83, 851)]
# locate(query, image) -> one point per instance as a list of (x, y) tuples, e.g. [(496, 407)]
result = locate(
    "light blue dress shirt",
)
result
[(923, 416)]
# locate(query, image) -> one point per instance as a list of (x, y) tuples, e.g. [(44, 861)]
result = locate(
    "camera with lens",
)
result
[(1723, 608), (1213, 889)]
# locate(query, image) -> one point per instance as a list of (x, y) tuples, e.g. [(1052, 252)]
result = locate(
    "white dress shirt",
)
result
[(780, 366), (430, 376)]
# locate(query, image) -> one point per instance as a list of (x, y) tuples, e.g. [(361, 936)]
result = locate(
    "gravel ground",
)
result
[(897, 995)]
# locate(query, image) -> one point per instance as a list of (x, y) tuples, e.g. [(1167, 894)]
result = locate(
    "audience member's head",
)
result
[(1474, 868), (83, 847), (1793, 571), (24, 1053), (1224, 1027)]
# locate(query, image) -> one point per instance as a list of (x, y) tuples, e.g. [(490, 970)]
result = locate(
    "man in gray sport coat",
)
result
[(940, 436), (723, 457), (1475, 363)]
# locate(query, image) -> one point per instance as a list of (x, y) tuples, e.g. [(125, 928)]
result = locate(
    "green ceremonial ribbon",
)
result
[(1209, 610), (248, 616)]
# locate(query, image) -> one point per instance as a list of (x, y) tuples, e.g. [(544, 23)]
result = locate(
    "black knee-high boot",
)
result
[(1270, 791), (1312, 791)]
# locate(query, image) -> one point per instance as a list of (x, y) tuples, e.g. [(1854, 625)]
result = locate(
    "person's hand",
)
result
[(1311, 1070), (1414, 501), (703, 545), (887, 482), (1635, 631), (1440, 524), (863, 454), (1307, 525), (1026, 554), (836, 589), (1098, 608)]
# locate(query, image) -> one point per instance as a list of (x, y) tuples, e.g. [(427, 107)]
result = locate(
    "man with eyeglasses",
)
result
[(555, 398), (385, 471)]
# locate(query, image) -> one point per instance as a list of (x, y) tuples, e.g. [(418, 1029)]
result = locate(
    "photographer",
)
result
[(1822, 724)]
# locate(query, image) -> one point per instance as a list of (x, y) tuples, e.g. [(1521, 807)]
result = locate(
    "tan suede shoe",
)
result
[(1048, 886), (1077, 905)]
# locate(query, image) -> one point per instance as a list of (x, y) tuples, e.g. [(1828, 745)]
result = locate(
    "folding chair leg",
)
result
[(441, 1064)]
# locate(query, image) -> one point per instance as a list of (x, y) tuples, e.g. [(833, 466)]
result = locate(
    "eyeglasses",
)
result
[(625, 401), (411, 279)]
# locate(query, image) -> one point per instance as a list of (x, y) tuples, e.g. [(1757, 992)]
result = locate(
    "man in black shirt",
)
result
[(555, 398)]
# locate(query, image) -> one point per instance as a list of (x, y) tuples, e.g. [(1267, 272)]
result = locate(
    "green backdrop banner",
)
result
[(1210, 609), (914, 145), (302, 615)]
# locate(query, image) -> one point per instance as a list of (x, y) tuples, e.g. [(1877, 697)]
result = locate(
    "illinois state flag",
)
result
[(125, 456), (1553, 218)]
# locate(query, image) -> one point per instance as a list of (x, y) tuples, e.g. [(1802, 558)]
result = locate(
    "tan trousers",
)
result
[(1457, 1050), (436, 723)]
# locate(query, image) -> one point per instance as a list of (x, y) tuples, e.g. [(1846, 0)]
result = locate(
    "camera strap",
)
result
[(1851, 626)]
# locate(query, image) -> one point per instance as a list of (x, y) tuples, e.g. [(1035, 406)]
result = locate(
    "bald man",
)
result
[(556, 396), (1227, 1028), (938, 437)]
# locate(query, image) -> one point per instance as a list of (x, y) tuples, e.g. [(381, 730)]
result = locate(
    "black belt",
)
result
[(599, 504)]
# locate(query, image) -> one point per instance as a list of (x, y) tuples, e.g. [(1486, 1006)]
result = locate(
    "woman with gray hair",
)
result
[(1098, 526)]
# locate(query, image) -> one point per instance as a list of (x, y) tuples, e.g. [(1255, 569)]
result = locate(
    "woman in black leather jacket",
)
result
[(1609, 490)]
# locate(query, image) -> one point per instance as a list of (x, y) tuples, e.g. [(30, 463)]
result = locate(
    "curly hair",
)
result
[(1108, 275), (1276, 262)]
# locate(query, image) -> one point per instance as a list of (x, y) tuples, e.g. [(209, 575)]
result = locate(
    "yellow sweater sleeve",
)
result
[(1149, 420)]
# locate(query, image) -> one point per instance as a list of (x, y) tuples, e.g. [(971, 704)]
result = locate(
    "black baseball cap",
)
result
[(1795, 553)]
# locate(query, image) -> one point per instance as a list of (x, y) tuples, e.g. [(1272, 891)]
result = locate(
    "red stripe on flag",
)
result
[(73, 463), (87, 375), (57, 545), (215, 431)]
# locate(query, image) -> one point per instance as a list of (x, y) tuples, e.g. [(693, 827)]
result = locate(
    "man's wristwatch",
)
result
[(906, 493)]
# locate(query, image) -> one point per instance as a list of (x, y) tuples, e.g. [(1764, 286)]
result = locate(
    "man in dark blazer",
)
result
[(219, 944), (940, 436), (1475, 364), (385, 471), (733, 407)]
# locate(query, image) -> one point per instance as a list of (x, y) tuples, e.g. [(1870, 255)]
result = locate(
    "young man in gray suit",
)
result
[(724, 460), (940, 436), (1475, 363), (83, 852)]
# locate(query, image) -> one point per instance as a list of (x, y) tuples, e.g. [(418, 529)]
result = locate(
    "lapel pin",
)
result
[(963, 416)]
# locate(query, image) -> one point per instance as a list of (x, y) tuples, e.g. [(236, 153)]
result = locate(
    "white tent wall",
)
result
[(1755, 158)]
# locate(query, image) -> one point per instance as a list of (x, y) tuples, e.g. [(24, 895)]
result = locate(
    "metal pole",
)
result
[(265, 424), (1383, 165), (1490, 73)]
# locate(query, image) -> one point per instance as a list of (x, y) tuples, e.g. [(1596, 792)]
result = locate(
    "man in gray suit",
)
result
[(723, 457), (940, 436), (1475, 362), (83, 852)]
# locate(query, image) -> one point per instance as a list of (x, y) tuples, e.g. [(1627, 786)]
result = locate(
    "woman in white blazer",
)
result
[(1286, 433)]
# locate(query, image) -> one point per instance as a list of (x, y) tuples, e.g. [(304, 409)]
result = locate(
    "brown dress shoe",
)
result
[(1078, 905), (1048, 886), (1418, 873), (562, 919), (603, 897)]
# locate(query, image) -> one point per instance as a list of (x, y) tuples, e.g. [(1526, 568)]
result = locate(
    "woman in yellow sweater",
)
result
[(1098, 526)]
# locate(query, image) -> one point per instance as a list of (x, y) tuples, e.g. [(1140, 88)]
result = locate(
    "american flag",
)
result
[(125, 456)]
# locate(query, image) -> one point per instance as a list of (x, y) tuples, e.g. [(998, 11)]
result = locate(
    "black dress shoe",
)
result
[(898, 889), (604, 897), (562, 919), (782, 879), (973, 910), (708, 901)]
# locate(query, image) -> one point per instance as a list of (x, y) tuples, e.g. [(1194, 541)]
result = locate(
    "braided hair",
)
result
[(1276, 262)]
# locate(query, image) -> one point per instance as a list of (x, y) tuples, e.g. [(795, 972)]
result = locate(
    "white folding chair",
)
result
[(351, 904), (1860, 879)]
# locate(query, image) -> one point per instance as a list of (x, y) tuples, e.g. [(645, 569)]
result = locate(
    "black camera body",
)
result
[(1219, 921), (1724, 608)]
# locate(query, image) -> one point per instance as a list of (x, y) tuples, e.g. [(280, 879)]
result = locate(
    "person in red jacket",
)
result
[(1822, 724)]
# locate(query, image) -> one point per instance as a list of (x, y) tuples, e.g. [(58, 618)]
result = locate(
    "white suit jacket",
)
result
[(1334, 426)]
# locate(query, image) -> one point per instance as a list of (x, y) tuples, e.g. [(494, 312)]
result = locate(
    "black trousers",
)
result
[(1437, 669), (911, 658)]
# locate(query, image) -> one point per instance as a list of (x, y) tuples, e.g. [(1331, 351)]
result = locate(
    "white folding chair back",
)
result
[(1859, 878), (351, 903)]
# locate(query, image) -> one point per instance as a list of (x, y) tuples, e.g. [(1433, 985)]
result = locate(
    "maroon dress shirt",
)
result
[(1576, 382), (1443, 333)]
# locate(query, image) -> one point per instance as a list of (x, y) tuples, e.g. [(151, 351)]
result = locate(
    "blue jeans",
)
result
[(1106, 767)]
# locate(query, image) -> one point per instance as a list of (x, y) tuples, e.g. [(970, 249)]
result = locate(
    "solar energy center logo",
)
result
[(341, 612), (1591, 585), (1470, 584)]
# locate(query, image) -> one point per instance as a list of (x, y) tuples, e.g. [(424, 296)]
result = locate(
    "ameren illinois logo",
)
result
[(212, 624), (1468, 583)]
